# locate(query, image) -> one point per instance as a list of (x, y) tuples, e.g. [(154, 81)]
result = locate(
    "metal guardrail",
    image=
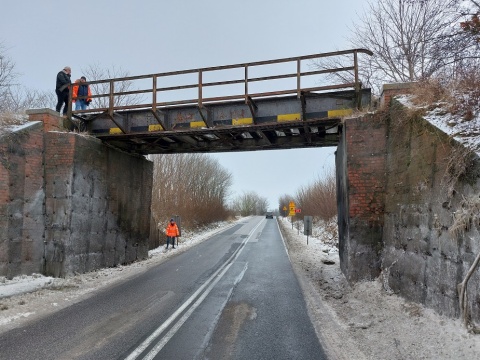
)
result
[(110, 104)]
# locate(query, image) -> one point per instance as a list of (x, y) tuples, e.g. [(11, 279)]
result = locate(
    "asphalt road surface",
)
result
[(233, 296)]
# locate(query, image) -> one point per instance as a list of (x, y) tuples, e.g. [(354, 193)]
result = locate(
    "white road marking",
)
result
[(207, 286)]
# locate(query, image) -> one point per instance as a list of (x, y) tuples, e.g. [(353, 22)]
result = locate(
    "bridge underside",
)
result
[(310, 133), (311, 120)]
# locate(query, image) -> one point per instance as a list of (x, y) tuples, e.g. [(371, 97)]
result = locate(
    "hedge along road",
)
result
[(233, 296)]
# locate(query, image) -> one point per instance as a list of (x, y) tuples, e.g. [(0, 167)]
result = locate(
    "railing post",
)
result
[(298, 78), (200, 88), (358, 99), (110, 98), (154, 93), (246, 84)]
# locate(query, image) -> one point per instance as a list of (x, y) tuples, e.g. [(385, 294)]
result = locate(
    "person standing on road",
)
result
[(80, 89), (172, 232), (62, 88)]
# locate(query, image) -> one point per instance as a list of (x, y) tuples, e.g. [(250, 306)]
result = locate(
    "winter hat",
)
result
[(83, 78)]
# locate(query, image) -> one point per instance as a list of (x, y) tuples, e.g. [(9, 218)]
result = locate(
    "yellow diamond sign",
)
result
[(291, 208)]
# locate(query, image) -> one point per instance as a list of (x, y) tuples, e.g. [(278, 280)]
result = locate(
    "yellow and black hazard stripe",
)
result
[(236, 121)]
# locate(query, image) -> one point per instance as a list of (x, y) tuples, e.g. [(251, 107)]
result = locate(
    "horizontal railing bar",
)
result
[(113, 97), (226, 67), (229, 82), (216, 99)]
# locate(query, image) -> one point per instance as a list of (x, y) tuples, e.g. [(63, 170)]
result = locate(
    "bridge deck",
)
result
[(281, 123)]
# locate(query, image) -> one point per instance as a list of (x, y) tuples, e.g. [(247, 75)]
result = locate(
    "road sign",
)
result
[(307, 225), (292, 208)]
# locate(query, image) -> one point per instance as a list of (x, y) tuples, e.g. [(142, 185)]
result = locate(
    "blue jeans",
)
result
[(172, 240), (81, 104)]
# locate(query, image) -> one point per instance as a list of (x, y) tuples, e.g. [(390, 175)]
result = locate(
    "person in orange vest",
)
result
[(80, 89), (172, 232)]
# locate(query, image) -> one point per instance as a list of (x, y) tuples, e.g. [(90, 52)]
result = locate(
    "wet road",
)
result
[(234, 296)]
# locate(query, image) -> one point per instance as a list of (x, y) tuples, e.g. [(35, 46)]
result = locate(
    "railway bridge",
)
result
[(71, 203), (83, 202), (273, 104)]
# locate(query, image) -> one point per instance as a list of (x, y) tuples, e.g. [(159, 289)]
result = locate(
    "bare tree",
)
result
[(20, 99), (319, 199), (96, 72), (283, 204), (15, 98), (193, 186), (7, 78), (411, 40), (250, 203)]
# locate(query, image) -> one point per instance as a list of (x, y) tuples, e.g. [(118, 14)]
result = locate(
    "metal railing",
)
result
[(111, 103)]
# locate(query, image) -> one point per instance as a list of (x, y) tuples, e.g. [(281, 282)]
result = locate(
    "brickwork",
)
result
[(391, 90), (4, 207), (361, 178), (52, 121), (366, 144)]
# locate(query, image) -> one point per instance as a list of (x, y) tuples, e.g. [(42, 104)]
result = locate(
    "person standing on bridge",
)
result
[(80, 89), (62, 88), (172, 232)]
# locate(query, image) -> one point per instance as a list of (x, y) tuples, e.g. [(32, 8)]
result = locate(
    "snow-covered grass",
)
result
[(364, 321), (455, 111)]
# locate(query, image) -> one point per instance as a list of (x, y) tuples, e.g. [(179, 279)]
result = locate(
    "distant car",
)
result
[(269, 215)]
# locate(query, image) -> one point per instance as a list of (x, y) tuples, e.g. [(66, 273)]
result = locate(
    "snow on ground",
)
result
[(364, 321), (455, 125), (25, 297), (353, 322)]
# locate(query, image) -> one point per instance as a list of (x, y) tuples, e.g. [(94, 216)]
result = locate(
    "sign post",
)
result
[(291, 212), (307, 226)]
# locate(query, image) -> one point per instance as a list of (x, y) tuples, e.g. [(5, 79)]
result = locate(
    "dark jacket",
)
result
[(63, 81)]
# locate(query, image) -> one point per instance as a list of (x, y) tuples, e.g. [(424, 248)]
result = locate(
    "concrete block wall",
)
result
[(71, 206), (422, 261), (361, 175), (97, 205)]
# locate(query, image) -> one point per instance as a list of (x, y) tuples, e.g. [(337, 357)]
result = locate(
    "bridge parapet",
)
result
[(242, 95), (114, 94)]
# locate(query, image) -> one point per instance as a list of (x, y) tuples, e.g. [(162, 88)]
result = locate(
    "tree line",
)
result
[(193, 186), (317, 199)]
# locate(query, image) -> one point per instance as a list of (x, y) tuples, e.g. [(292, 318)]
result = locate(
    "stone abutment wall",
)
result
[(69, 204), (403, 186)]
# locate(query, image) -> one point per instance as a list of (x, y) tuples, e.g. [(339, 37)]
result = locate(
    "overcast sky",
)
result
[(152, 36)]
